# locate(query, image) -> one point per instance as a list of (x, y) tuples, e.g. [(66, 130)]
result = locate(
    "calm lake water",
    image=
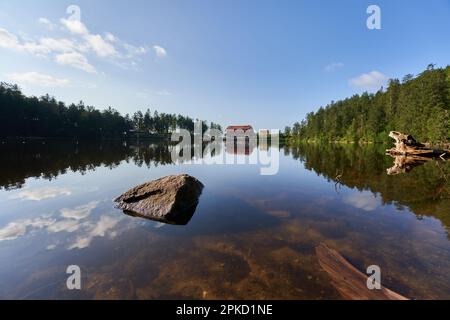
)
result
[(251, 237)]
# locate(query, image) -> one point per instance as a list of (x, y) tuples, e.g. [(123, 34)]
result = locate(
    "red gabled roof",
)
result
[(243, 127)]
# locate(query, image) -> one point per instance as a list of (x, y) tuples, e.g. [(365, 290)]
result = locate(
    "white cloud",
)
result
[(372, 80), (64, 225), (365, 201), (163, 93), (334, 66), (148, 94), (19, 228), (51, 247), (39, 223), (93, 41), (41, 193), (79, 212), (75, 49), (58, 45), (76, 60), (43, 80), (160, 51), (8, 40), (133, 51), (11, 41), (12, 231), (75, 26), (105, 224), (100, 46), (110, 37), (47, 23), (72, 222), (35, 48)]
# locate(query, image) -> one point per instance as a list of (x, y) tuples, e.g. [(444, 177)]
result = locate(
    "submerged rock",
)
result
[(171, 199)]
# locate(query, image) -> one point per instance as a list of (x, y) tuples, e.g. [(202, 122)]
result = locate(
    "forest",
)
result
[(23, 116), (417, 105)]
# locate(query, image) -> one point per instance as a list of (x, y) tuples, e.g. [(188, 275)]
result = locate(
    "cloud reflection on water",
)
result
[(19, 228), (73, 220), (99, 229), (40, 194), (79, 212), (363, 200)]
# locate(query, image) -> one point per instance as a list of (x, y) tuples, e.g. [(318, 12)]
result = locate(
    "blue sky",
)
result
[(266, 63)]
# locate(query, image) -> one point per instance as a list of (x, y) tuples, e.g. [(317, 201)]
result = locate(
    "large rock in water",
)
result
[(171, 199)]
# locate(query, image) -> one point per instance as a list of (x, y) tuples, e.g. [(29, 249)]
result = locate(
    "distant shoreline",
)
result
[(445, 145), (146, 138)]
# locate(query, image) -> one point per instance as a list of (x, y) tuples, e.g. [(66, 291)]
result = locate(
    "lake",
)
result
[(252, 236)]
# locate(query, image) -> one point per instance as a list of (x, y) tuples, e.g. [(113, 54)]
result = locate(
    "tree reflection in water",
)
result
[(423, 186)]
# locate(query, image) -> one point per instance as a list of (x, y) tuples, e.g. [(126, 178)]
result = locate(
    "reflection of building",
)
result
[(239, 148), (264, 133), (240, 139)]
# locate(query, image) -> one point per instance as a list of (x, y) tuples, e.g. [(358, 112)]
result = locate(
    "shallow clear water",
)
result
[(251, 237)]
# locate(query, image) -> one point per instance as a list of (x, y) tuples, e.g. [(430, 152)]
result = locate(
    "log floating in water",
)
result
[(349, 281), (406, 145)]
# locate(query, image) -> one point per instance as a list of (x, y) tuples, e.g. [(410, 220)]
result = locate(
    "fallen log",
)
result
[(349, 281), (406, 145)]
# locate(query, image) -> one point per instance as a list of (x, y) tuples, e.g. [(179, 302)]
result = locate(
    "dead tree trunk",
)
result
[(406, 145), (349, 281)]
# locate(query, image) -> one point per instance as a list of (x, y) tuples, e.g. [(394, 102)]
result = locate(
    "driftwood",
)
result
[(406, 145), (408, 153), (349, 281)]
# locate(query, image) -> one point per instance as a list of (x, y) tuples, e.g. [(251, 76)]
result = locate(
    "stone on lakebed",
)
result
[(171, 199)]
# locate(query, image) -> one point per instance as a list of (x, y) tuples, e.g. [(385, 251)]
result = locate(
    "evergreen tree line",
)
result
[(419, 106), (23, 116)]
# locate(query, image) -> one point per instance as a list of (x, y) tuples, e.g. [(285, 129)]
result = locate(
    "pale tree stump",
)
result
[(406, 145)]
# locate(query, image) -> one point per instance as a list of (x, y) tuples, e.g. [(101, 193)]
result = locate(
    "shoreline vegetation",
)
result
[(417, 105), (386, 142), (44, 117)]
